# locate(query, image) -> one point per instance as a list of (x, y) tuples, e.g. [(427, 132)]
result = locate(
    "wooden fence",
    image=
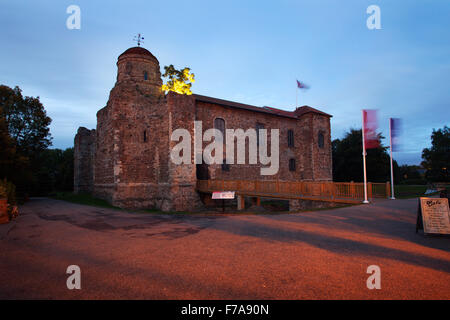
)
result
[(325, 191)]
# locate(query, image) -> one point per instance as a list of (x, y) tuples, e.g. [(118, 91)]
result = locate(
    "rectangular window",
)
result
[(225, 166), (145, 135), (291, 164), (259, 126), (219, 124), (290, 138)]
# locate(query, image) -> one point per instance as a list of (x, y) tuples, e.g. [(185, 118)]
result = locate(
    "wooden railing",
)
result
[(326, 190)]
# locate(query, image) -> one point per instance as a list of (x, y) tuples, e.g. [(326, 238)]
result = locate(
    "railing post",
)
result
[(240, 202), (333, 191), (369, 190), (352, 189), (388, 189)]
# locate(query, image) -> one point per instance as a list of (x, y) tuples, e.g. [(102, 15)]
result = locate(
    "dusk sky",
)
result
[(246, 51)]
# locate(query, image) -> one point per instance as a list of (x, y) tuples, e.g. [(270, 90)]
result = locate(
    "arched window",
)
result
[(321, 140), (145, 75), (219, 124)]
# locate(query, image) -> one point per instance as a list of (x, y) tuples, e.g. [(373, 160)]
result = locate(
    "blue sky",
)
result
[(245, 51)]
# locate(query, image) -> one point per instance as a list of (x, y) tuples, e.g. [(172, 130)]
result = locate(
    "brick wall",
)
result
[(312, 162), (126, 160), (133, 167), (182, 178), (84, 157), (322, 158)]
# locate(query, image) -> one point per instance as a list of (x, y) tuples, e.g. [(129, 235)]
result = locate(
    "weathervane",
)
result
[(139, 39)]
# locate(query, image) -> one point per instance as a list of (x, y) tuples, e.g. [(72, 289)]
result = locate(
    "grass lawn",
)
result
[(83, 198), (403, 191), (89, 200), (272, 206)]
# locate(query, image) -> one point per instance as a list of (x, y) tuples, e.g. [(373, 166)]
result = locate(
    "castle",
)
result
[(126, 159)]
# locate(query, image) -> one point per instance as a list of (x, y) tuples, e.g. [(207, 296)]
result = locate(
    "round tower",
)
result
[(138, 66)]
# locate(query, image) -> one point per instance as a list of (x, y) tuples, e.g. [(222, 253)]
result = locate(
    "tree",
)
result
[(55, 171), (410, 175), (348, 162), (7, 147), (24, 130), (27, 120), (180, 81), (436, 160)]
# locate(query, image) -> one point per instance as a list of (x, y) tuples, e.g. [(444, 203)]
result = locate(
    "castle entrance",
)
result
[(202, 171)]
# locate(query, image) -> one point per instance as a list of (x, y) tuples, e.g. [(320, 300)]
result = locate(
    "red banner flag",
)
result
[(370, 126)]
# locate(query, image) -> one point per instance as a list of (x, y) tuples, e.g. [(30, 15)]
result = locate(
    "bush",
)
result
[(9, 191), (3, 193), (414, 182)]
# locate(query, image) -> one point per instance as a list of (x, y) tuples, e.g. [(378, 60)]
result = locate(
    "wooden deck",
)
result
[(342, 192)]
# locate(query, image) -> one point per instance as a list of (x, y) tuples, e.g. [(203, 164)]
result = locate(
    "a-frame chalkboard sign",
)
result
[(433, 216)]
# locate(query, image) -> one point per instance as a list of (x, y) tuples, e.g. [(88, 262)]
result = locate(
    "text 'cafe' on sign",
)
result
[(433, 215)]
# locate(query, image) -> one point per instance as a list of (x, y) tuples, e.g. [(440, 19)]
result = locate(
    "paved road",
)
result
[(308, 255)]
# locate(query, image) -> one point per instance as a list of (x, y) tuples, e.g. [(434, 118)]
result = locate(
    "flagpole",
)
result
[(364, 160), (296, 98), (392, 167)]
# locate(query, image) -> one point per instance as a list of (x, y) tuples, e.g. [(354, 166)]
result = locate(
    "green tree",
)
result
[(179, 81), (55, 171), (27, 120), (348, 162), (436, 160), (410, 175), (7, 147), (26, 123)]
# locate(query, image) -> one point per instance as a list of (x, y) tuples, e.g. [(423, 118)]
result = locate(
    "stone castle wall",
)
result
[(312, 162), (84, 158), (126, 160), (321, 156), (137, 171)]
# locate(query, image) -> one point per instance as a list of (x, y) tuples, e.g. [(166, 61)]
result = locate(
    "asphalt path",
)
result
[(307, 255)]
